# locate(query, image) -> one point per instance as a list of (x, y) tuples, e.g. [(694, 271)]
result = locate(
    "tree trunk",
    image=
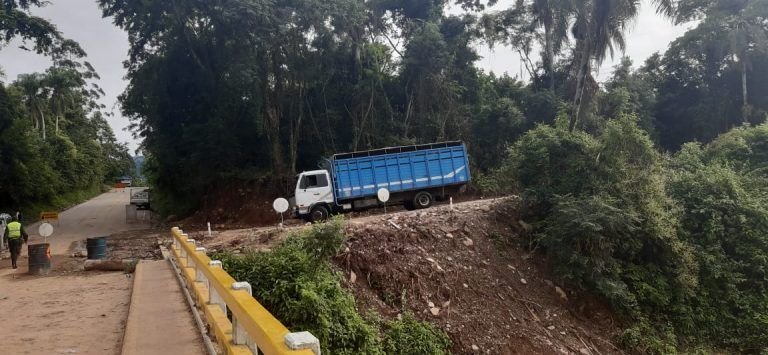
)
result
[(273, 115), (295, 134), (42, 119), (580, 77), (57, 124), (550, 56), (745, 105)]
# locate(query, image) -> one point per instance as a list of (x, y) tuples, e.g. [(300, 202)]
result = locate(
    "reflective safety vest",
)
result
[(14, 230)]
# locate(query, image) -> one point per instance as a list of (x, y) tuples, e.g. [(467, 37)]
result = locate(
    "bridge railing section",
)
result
[(252, 329)]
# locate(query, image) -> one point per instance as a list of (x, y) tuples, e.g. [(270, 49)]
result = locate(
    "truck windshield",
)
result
[(312, 181)]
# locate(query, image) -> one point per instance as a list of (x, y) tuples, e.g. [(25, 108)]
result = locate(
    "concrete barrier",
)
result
[(252, 330)]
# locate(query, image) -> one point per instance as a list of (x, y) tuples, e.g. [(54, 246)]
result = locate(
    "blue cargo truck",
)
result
[(414, 175)]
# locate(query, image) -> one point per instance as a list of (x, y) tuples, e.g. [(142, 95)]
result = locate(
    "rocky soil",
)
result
[(463, 268), (466, 271)]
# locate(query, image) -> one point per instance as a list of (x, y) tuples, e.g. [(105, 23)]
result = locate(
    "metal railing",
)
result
[(252, 329)]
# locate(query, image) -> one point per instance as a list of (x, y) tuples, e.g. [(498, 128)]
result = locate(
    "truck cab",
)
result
[(313, 195)]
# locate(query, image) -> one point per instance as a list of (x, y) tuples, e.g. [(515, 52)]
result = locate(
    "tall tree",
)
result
[(745, 23), (599, 29)]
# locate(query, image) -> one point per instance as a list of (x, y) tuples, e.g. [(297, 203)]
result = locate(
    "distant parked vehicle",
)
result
[(141, 198), (414, 176), (125, 181)]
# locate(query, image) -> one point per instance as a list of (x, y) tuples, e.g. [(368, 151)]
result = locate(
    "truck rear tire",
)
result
[(422, 200), (318, 214)]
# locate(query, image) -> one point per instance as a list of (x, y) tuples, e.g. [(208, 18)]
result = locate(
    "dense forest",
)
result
[(649, 189), (56, 147), (254, 89)]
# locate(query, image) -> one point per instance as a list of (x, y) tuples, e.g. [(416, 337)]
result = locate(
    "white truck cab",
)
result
[(314, 195)]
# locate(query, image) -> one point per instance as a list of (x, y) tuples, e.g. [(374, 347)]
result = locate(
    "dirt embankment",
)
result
[(466, 272), (236, 205)]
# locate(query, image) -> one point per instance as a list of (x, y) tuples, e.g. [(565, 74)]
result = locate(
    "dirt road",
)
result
[(68, 312)]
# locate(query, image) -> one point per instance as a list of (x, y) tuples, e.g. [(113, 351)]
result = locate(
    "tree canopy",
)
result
[(56, 146)]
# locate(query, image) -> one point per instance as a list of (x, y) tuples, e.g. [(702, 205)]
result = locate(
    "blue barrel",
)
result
[(39, 258), (97, 247)]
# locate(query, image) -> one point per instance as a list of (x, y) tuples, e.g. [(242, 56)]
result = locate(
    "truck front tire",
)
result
[(422, 200), (318, 214)]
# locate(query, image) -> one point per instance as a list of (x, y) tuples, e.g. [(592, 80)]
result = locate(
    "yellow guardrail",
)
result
[(252, 329)]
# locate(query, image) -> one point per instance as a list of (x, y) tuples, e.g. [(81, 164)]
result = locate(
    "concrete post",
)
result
[(199, 276), (213, 296), (175, 231), (302, 340), (192, 241), (239, 335)]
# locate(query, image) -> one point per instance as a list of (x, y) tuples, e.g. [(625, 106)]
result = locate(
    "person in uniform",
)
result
[(16, 236)]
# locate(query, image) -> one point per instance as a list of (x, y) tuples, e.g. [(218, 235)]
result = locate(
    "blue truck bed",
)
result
[(362, 174)]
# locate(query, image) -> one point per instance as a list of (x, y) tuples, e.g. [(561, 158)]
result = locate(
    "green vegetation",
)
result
[(259, 90), (410, 336), (650, 190), (296, 283), (56, 148), (679, 247)]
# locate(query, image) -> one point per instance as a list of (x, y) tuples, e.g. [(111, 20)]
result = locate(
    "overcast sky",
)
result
[(107, 48)]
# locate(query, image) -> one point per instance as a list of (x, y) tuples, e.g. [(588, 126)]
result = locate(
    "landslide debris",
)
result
[(466, 271)]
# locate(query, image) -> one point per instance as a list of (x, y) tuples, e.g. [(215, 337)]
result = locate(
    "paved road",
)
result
[(68, 312), (101, 216)]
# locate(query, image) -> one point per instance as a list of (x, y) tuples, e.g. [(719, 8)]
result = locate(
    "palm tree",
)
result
[(35, 97), (554, 16), (746, 35), (599, 29), (65, 85)]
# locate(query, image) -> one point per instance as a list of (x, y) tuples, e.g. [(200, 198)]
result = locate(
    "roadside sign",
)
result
[(383, 195), (45, 230), (280, 205), (49, 216)]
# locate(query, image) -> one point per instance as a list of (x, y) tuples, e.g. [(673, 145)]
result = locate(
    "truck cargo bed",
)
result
[(417, 167)]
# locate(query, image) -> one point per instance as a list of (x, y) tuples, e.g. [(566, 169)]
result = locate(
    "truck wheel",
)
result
[(423, 199), (318, 214)]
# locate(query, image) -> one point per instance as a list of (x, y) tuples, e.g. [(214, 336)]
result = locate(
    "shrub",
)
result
[(295, 282), (602, 216), (725, 217), (745, 148), (680, 249), (325, 240), (410, 336)]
